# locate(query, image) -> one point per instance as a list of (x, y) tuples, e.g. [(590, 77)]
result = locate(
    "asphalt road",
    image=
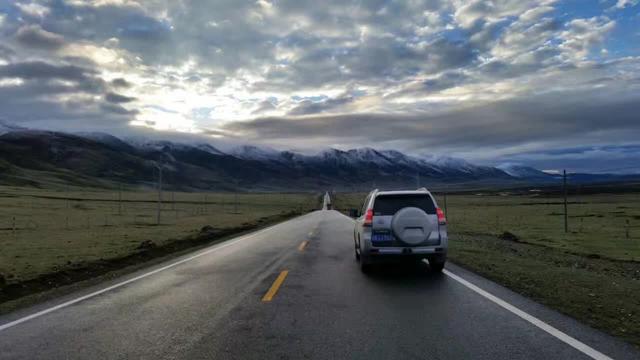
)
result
[(221, 303)]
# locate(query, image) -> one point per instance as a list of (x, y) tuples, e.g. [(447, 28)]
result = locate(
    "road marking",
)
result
[(139, 277), (275, 286), (580, 346), (302, 245)]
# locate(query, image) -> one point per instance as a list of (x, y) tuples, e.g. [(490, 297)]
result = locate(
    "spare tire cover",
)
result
[(411, 225)]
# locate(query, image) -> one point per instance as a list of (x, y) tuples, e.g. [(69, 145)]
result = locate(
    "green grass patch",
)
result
[(601, 292), (46, 231)]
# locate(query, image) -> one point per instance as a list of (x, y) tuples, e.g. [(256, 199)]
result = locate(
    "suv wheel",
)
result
[(365, 266), (436, 265)]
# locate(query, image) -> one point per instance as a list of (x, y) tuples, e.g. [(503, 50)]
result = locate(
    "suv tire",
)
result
[(365, 266), (436, 265)]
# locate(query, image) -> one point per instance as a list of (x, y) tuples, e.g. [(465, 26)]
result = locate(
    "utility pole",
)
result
[(119, 199), (159, 193), (235, 199), (445, 203), (564, 189), (68, 195)]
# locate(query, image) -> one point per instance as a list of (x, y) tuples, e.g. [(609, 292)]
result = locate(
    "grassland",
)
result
[(591, 273), (47, 231)]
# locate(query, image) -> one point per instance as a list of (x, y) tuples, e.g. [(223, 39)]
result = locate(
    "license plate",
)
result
[(381, 237)]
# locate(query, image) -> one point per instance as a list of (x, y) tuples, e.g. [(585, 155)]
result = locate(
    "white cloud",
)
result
[(33, 9), (535, 13), (470, 13), (621, 4), (583, 35)]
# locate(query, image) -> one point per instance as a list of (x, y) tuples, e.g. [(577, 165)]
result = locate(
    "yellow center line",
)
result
[(276, 285), (302, 245)]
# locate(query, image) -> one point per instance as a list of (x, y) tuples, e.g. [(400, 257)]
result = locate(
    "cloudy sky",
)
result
[(546, 83)]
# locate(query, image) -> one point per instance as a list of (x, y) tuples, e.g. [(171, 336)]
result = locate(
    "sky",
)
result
[(550, 84)]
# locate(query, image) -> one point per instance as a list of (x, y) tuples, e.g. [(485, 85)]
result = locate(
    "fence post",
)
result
[(120, 199), (564, 189), (235, 201), (204, 203), (445, 204), (159, 194)]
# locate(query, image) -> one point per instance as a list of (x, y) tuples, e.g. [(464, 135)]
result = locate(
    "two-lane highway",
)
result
[(294, 291)]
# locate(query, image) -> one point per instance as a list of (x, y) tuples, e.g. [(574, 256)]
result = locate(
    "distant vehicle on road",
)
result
[(400, 225)]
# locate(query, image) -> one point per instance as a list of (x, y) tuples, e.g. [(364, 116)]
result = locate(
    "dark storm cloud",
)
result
[(117, 109), (42, 70), (37, 99), (35, 37), (264, 106), (375, 61), (6, 53), (445, 81), (26, 105), (118, 98), (137, 31), (500, 124), (120, 83), (306, 107), (447, 54), (601, 159)]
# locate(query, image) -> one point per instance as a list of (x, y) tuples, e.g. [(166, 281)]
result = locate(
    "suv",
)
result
[(401, 225)]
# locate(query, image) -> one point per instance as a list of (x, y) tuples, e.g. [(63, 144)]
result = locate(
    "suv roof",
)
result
[(400, 192)]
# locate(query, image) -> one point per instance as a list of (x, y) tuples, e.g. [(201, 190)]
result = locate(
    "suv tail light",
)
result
[(368, 218), (442, 220)]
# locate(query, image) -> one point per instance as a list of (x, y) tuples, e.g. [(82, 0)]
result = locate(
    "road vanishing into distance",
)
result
[(294, 291)]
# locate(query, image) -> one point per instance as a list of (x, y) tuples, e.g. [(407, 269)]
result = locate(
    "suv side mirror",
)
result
[(354, 213)]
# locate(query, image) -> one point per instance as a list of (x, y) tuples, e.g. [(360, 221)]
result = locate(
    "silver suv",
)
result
[(401, 225)]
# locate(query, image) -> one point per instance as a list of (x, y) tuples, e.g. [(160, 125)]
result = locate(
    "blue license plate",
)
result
[(381, 237)]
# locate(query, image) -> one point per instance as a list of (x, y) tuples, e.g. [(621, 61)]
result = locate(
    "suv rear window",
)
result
[(390, 204)]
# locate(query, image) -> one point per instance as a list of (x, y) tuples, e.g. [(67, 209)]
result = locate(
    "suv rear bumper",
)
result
[(381, 251), (393, 254), (377, 258)]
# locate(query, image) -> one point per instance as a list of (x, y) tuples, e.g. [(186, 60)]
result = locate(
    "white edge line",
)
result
[(139, 277), (580, 346)]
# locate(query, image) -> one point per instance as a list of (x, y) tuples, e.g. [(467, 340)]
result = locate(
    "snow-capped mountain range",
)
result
[(100, 159), (6, 127)]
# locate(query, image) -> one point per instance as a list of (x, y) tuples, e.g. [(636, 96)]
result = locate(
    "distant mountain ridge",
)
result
[(523, 172), (97, 159)]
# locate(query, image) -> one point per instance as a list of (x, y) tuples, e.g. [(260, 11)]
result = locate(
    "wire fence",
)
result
[(41, 231), (599, 223)]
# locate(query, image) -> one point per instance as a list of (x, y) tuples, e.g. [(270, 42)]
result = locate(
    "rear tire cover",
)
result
[(411, 225)]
